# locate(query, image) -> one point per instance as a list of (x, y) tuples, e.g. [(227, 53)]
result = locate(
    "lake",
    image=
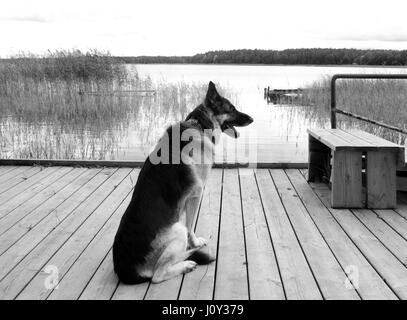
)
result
[(278, 133)]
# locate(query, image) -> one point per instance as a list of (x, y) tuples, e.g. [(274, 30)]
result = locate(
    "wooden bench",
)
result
[(360, 167)]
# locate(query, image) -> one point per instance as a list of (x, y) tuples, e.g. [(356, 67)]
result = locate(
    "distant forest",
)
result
[(289, 56)]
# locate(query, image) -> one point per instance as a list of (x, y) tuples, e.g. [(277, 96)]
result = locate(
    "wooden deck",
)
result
[(275, 237)]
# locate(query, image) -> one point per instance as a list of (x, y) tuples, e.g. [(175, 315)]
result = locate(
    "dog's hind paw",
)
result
[(189, 266)]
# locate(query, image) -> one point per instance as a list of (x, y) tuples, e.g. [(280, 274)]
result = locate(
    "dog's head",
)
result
[(224, 112)]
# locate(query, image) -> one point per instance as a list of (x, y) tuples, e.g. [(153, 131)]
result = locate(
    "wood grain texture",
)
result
[(395, 220), (30, 221), (296, 275), (326, 269), (277, 237), (384, 262), (346, 178), (28, 255), (370, 285), (231, 273), (10, 178), (381, 179), (264, 277), (67, 254), (384, 232)]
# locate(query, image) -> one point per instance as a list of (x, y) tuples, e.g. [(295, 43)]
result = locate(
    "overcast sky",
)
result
[(185, 27)]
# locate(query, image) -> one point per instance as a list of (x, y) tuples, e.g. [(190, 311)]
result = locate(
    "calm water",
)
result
[(279, 132)]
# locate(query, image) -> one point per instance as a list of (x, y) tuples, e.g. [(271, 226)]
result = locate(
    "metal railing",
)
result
[(335, 110)]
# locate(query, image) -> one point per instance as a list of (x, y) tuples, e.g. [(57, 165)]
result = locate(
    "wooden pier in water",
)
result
[(281, 96)]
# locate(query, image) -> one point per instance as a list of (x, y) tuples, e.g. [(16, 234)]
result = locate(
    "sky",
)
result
[(187, 27)]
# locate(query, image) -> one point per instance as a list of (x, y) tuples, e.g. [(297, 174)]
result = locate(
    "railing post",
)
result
[(333, 102)]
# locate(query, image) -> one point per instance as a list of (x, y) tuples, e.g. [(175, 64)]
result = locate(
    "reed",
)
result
[(381, 100), (74, 105)]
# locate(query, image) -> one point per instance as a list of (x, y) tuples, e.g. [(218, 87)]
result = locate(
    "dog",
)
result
[(155, 240)]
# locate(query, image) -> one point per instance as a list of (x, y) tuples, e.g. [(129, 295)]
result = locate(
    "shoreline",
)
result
[(278, 65)]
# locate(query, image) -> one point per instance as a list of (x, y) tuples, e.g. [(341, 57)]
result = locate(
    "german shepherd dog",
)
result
[(155, 239)]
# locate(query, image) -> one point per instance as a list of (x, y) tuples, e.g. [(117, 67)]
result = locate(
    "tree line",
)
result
[(315, 56)]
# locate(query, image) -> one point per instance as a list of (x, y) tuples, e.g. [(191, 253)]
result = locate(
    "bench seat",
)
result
[(360, 167)]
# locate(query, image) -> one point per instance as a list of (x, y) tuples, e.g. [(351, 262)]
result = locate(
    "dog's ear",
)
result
[(202, 117), (212, 95)]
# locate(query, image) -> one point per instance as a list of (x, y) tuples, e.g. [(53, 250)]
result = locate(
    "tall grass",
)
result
[(64, 65), (380, 100), (48, 109), (74, 105), (57, 86)]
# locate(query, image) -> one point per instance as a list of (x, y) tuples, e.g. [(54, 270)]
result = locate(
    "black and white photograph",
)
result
[(203, 152)]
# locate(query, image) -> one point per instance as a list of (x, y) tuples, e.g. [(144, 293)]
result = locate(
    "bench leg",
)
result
[(381, 179), (347, 190), (318, 160), (402, 184)]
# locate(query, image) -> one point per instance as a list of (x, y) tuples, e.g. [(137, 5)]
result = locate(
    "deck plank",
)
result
[(402, 204), (370, 285), (68, 253), (325, 267), (200, 283), (6, 169), (30, 221), (391, 239), (384, 262), (167, 290), (14, 211), (76, 279), (264, 275), (14, 177), (131, 292), (28, 187), (395, 220), (28, 256), (297, 277), (231, 272), (276, 237), (103, 283)]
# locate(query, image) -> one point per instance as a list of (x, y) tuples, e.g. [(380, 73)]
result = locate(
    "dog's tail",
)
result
[(202, 256)]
